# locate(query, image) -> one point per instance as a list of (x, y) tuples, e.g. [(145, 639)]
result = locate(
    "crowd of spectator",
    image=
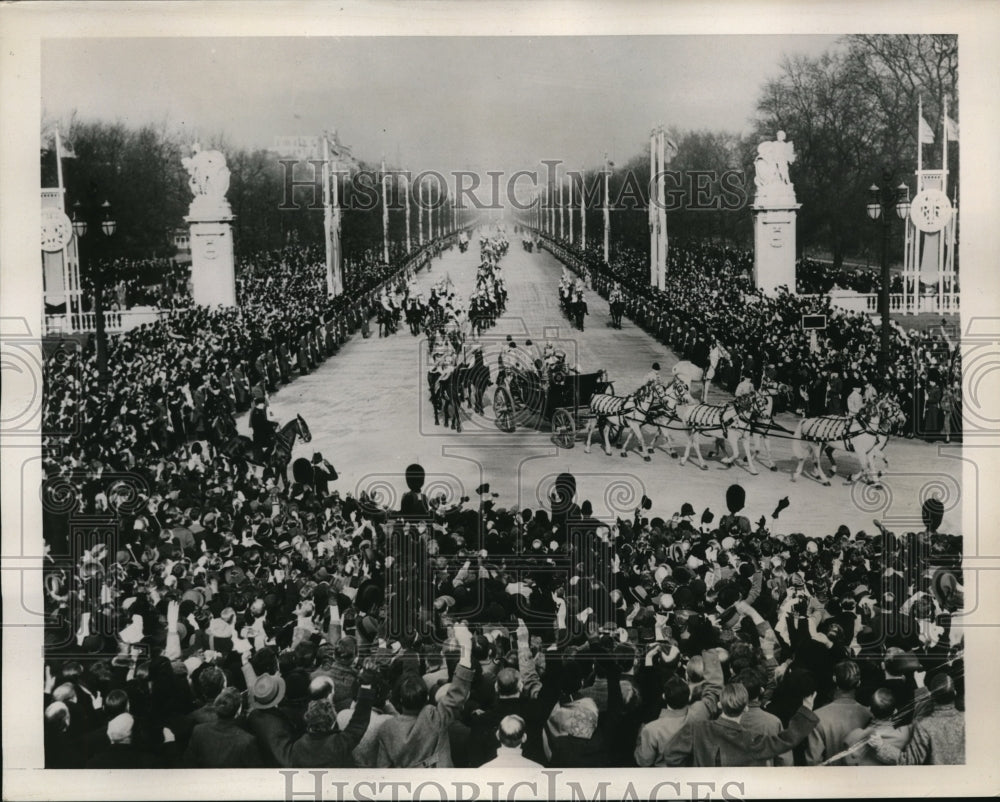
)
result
[(814, 276), (710, 296), (231, 625), (172, 380), (127, 283)]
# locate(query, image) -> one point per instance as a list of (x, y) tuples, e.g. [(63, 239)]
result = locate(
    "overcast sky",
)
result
[(439, 103)]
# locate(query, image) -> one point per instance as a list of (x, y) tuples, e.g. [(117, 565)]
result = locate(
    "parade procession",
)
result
[(333, 477)]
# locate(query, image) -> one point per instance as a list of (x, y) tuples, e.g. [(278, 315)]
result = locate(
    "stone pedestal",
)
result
[(213, 277), (774, 245)]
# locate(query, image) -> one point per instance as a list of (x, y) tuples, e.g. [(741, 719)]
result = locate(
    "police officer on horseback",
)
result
[(264, 425)]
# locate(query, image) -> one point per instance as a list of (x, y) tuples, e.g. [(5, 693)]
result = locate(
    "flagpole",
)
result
[(920, 141), (654, 237), (385, 214), (59, 173), (338, 251), (67, 296), (944, 145), (569, 180), (409, 241), (607, 211), (562, 211), (661, 213), (328, 218), (420, 213)]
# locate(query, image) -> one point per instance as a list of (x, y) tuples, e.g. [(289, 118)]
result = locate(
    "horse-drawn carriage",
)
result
[(522, 398)]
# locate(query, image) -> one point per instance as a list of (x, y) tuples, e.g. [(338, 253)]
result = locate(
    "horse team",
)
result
[(746, 421)]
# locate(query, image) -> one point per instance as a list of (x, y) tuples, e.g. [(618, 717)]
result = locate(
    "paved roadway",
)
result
[(369, 415)]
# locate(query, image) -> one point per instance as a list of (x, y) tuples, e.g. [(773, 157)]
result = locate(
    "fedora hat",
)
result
[(268, 691)]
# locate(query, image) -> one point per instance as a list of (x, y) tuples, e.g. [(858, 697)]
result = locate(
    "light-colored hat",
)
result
[(133, 633), (120, 728)]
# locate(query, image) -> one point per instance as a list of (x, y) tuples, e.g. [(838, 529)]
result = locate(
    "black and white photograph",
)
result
[(499, 402)]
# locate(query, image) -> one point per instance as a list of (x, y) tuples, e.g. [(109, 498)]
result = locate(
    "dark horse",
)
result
[(478, 382), (578, 308), (447, 395), (617, 304), (240, 448), (387, 321)]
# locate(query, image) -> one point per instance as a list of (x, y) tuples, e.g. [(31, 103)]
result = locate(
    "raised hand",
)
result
[(463, 636), (173, 613)]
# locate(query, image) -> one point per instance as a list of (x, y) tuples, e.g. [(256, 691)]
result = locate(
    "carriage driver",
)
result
[(856, 406), (745, 387), (652, 376)]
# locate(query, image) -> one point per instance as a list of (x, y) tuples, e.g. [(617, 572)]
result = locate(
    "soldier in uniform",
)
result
[(579, 308)]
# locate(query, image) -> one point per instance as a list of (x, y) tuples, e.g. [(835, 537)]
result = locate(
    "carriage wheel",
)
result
[(563, 429), (503, 408)]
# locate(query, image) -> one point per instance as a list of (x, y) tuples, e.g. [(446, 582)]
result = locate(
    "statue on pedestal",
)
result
[(209, 181), (771, 169)]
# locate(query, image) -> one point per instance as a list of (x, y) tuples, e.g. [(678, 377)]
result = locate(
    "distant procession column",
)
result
[(774, 214), (210, 217)]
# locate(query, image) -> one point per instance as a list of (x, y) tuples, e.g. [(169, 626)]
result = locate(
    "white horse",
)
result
[(762, 422), (718, 419), (688, 372), (866, 434), (754, 419), (624, 412)]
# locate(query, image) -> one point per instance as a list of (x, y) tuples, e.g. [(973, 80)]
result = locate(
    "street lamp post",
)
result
[(108, 227), (881, 203)]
